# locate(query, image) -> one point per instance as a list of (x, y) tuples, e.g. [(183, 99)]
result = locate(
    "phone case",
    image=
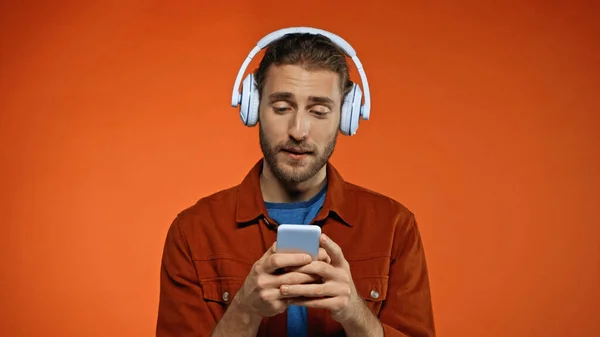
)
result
[(298, 239)]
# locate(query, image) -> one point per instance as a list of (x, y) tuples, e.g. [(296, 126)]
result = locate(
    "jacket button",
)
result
[(269, 225), (374, 294), (226, 296)]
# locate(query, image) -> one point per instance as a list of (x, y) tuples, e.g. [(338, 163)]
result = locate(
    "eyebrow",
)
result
[(288, 96)]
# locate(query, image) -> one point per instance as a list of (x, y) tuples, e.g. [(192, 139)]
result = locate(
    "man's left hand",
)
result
[(337, 293)]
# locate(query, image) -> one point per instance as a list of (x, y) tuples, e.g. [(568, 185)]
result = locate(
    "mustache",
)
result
[(295, 148)]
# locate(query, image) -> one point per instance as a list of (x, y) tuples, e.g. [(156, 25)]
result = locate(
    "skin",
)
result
[(299, 112)]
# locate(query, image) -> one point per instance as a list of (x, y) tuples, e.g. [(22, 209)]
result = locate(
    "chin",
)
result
[(296, 163), (296, 171)]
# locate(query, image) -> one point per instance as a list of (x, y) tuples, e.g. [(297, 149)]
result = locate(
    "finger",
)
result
[(331, 303), (296, 278), (314, 278), (329, 289), (333, 250), (269, 251), (277, 261), (322, 269), (270, 295), (323, 256), (258, 265)]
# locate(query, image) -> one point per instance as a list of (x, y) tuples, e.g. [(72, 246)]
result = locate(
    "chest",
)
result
[(223, 259)]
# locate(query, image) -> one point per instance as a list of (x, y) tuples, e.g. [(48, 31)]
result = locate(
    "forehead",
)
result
[(302, 82)]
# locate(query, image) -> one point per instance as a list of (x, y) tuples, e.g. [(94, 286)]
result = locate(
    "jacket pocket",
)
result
[(218, 292), (373, 290), (221, 290)]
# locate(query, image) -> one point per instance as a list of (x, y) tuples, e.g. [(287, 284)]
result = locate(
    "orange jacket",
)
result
[(211, 247)]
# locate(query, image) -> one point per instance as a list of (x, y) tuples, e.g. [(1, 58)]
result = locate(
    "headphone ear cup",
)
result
[(245, 99), (351, 111), (249, 102), (254, 103)]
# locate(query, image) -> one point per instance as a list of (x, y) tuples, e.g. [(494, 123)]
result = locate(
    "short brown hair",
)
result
[(308, 50)]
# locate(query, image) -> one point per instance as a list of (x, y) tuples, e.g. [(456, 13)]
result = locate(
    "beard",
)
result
[(290, 170)]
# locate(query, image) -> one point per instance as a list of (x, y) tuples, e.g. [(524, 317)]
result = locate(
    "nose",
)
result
[(300, 126)]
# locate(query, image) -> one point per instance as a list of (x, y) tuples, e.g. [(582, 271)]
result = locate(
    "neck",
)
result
[(274, 190)]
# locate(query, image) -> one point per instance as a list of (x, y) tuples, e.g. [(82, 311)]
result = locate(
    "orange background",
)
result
[(115, 117)]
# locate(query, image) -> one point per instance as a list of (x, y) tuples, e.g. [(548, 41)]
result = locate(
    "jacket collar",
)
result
[(251, 206)]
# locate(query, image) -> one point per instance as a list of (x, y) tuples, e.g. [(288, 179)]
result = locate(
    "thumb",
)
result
[(333, 250), (271, 250)]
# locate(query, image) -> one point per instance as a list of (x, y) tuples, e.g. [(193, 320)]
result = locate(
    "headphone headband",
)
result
[(340, 42)]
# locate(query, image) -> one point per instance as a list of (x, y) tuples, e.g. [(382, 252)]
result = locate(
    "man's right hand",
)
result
[(260, 294)]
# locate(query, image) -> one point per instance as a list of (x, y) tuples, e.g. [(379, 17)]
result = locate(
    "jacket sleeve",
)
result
[(407, 311), (181, 310)]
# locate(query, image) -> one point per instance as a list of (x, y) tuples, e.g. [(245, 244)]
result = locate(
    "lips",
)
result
[(296, 151)]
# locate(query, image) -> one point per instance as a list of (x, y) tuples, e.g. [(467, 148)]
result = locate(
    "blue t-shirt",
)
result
[(297, 213)]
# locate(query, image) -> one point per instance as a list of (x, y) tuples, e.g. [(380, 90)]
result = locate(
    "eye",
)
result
[(280, 108), (321, 112)]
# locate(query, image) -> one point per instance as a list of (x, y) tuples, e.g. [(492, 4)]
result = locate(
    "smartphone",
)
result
[(298, 239)]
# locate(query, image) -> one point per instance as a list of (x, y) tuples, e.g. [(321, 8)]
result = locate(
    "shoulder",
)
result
[(392, 217), (366, 198), (219, 199), (218, 206)]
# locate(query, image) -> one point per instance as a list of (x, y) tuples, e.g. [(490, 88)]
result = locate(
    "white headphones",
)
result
[(351, 107)]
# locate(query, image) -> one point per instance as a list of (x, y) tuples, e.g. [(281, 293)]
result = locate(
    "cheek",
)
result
[(274, 133), (324, 136), (273, 124)]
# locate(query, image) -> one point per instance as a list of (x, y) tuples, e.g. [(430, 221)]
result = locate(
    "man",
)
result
[(220, 273)]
